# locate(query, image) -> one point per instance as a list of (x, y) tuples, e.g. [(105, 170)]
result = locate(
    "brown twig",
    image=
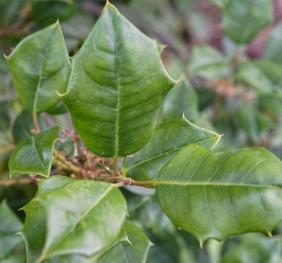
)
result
[(107, 176), (11, 182)]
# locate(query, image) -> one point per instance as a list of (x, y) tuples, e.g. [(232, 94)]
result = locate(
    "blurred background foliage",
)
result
[(228, 54)]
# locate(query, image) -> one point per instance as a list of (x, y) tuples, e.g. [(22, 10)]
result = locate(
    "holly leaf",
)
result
[(168, 139), (10, 225), (23, 126), (243, 19), (254, 248), (117, 73), (208, 62), (216, 195), (40, 68), (182, 99), (70, 216), (134, 251), (33, 155)]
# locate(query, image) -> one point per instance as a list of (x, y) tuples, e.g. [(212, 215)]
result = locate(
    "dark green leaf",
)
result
[(48, 11), (168, 139), (40, 67), (23, 125), (273, 49), (215, 195), (255, 248), (117, 73), (134, 252), (10, 225), (9, 11), (182, 99), (4, 116), (250, 74), (70, 216), (34, 155), (208, 63), (243, 19)]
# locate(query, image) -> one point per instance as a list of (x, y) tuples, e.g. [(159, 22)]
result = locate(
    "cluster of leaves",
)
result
[(133, 131)]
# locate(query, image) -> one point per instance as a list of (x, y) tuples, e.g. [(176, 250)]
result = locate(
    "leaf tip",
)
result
[(61, 94), (218, 138)]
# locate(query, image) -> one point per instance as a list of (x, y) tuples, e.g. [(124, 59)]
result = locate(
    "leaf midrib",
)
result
[(84, 215), (214, 184), (154, 157), (41, 71), (117, 84)]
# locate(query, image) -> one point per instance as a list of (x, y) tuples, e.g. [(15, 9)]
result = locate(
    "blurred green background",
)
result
[(229, 55)]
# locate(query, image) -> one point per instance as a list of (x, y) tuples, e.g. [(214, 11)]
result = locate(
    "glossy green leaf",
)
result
[(45, 12), (34, 155), (70, 216), (168, 139), (118, 74), (208, 62), (10, 225), (23, 126), (243, 19), (182, 99), (254, 248), (215, 195), (134, 251), (251, 75), (253, 122), (40, 67), (273, 49)]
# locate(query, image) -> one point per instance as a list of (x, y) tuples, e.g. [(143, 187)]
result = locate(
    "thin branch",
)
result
[(62, 162), (24, 181), (36, 123)]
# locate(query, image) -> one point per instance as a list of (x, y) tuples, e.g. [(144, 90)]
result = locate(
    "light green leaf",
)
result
[(134, 252), (10, 225), (273, 49), (254, 248), (70, 216), (216, 195), (253, 122), (40, 67), (208, 62), (182, 99), (251, 75), (243, 19), (34, 155), (168, 139), (118, 74)]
